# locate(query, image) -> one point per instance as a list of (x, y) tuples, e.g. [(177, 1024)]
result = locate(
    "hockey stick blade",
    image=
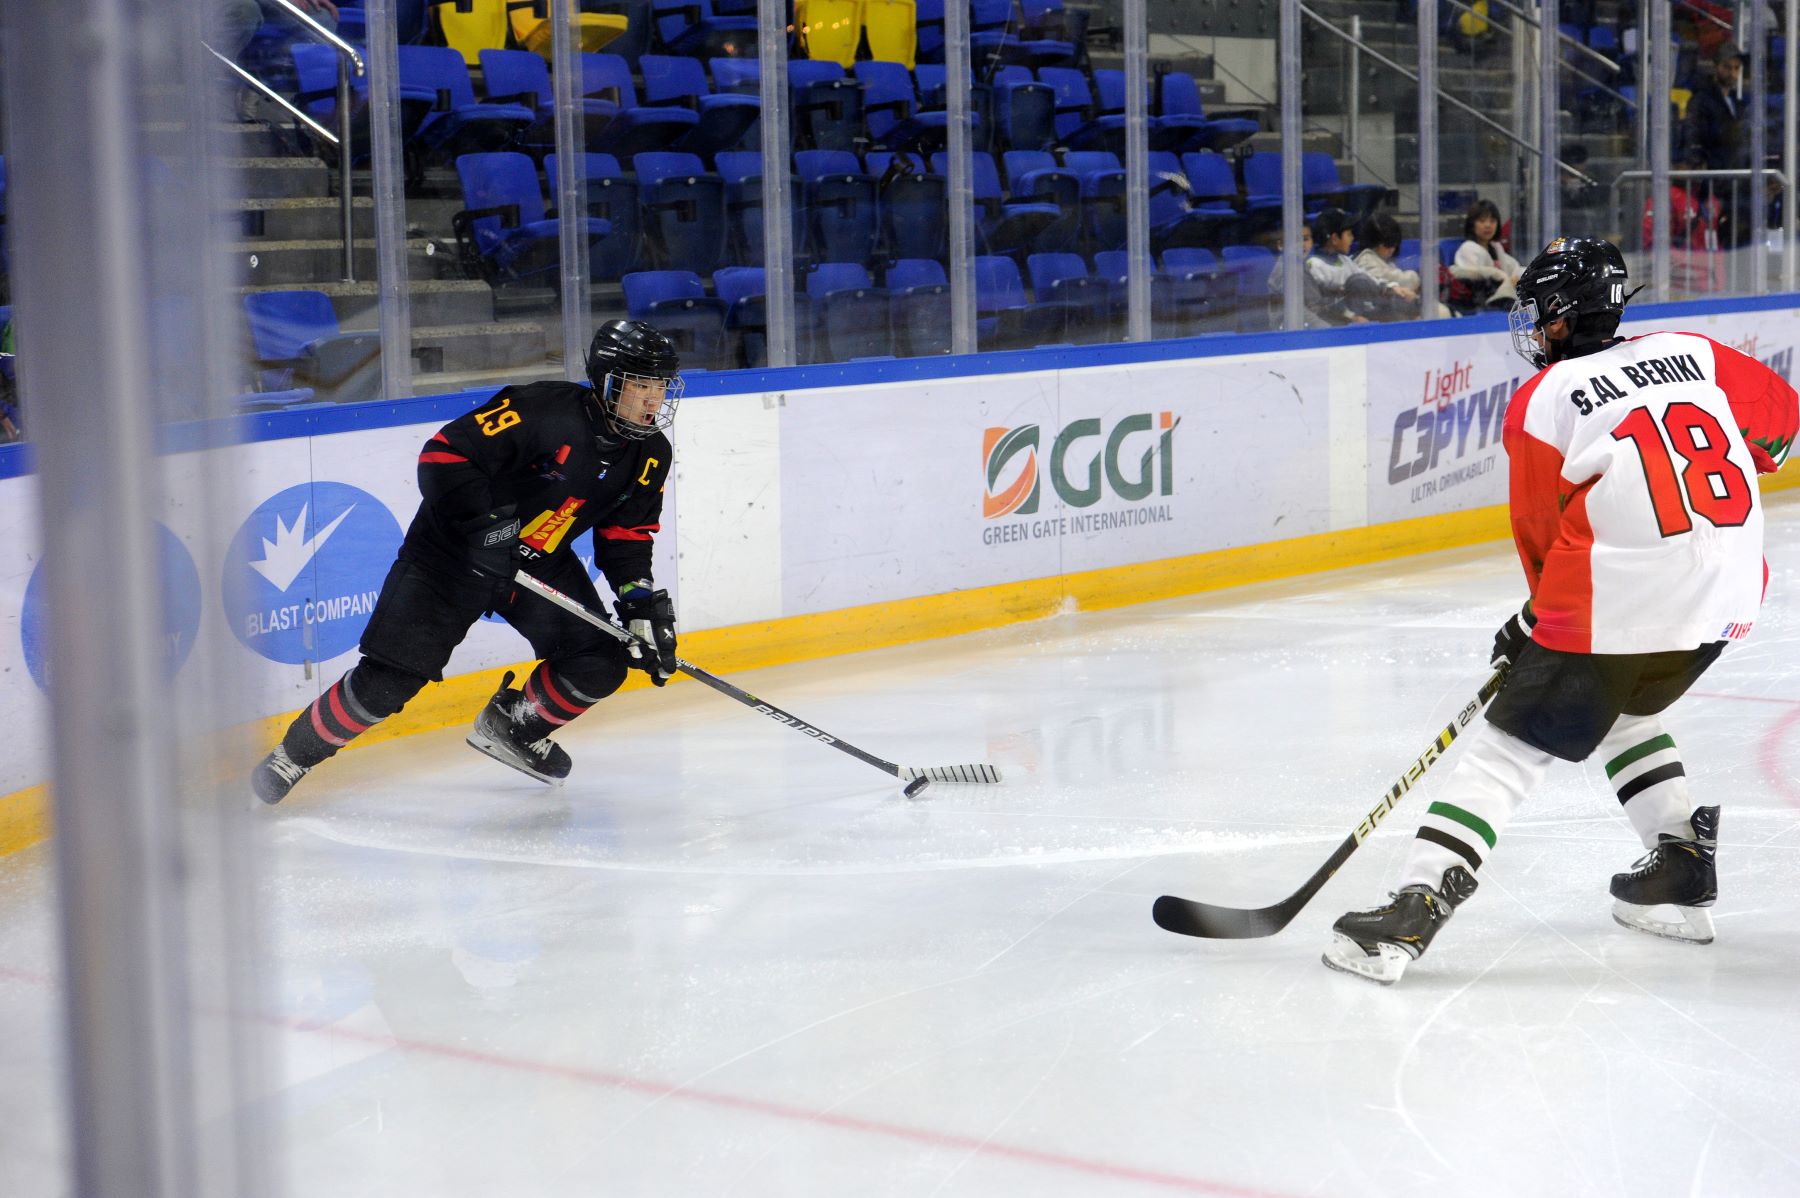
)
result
[(978, 772), (1186, 917)]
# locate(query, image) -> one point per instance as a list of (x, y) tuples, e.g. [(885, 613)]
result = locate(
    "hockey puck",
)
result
[(915, 786)]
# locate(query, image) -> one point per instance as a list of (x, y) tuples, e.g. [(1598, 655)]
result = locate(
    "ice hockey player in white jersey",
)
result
[(1637, 517)]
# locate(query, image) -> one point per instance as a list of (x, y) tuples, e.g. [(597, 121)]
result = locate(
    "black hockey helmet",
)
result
[(624, 351), (1578, 279)]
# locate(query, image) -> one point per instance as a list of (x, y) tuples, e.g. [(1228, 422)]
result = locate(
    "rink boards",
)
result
[(805, 521)]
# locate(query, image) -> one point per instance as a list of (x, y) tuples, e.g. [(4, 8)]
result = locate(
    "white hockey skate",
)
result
[(1380, 943), (1670, 889)]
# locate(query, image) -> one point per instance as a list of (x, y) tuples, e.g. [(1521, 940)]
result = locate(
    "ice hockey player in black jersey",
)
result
[(512, 485)]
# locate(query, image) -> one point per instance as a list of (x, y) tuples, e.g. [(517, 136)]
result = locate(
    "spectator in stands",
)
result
[(1488, 273), (11, 426), (1381, 245), (1346, 286), (1694, 262), (1320, 314), (1714, 137)]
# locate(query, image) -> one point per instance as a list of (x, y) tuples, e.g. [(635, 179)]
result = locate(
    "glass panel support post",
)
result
[(1137, 171), (777, 195), (1293, 296), (961, 186), (387, 167), (571, 188), (1428, 159)]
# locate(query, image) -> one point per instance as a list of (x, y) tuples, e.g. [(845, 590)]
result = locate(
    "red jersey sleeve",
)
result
[(1535, 489), (1765, 405)]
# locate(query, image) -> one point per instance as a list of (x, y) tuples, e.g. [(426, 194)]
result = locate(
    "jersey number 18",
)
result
[(1696, 436)]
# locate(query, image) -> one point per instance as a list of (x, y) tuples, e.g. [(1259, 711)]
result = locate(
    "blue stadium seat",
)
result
[(456, 124), (1050, 35), (1197, 291), (920, 293), (1262, 187), (1210, 182), (736, 76), (1061, 283), (298, 344), (826, 107), (634, 128), (521, 77), (840, 202), (851, 316), (929, 25), (1111, 269), (695, 28), (1006, 228), (675, 301), (1320, 184), (1024, 110), (992, 32), (1181, 98), (725, 121), (1249, 267), (613, 198), (1077, 124), (1102, 196), (743, 290), (891, 107), (684, 210), (1033, 177), (914, 218), (1174, 220), (502, 233), (1109, 101), (1003, 317), (742, 172)]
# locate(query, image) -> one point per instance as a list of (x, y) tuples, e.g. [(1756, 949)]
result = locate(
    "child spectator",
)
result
[(1482, 263), (1320, 314), (1346, 286), (1381, 245)]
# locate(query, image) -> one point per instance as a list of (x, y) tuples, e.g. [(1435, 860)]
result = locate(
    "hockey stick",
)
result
[(906, 773), (1190, 918)]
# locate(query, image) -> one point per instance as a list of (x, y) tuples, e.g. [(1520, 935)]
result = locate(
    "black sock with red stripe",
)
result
[(354, 703), (549, 703)]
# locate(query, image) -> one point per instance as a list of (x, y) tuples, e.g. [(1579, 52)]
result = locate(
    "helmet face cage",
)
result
[(614, 384), (1522, 321)]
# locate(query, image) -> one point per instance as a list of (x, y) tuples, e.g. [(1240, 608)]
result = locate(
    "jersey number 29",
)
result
[(1695, 435)]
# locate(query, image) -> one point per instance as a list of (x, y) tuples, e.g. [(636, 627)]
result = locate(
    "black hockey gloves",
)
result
[(650, 617), (1513, 636), (493, 547)]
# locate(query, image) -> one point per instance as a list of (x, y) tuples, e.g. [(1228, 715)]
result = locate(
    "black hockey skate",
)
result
[(1677, 875), (511, 734), (276, 775), (1380, 943)]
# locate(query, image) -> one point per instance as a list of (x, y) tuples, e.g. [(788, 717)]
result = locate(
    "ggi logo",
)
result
[(1086, 461)]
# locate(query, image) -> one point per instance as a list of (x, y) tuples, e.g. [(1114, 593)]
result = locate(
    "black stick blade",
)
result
[(1188, 918)]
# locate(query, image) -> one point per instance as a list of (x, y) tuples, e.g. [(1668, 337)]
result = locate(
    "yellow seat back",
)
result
[(598, 30), (830, 29), (892, 27), (469, 33)]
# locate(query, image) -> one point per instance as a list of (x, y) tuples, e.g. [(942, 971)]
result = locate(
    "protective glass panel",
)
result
[(307, 257), (1214, 90), (1359, 169)]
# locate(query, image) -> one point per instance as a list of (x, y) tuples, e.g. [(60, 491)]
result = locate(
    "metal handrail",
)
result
[(1732, 173), (348, 57), (1698, 11), (1561, 36), (1496, 126), (274, 95), (1570, 67)]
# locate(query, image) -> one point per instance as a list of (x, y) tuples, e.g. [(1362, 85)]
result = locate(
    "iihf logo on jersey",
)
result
[(303, 572), (180, 611)]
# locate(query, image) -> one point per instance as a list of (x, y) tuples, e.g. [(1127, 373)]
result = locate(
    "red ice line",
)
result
[(758, 1106)]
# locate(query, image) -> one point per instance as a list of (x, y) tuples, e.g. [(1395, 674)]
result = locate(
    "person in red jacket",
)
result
[(1638, 521)]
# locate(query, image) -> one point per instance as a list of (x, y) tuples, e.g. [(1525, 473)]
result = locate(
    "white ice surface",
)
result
[(725, 960)]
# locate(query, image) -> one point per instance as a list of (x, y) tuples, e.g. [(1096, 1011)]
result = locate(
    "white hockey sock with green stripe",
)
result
[(1465, 819), (1644, 767)]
